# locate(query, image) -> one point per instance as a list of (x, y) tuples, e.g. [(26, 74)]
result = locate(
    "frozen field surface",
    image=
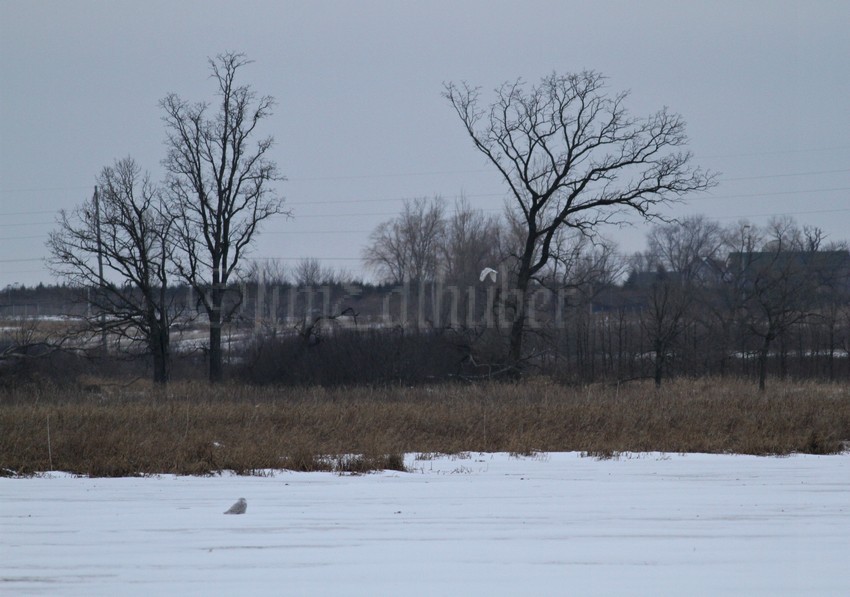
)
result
[(477, 524)]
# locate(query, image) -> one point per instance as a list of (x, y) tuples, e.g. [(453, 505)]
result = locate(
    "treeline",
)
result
[(701, 300)]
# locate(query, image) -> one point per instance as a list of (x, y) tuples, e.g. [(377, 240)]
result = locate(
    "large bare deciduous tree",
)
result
[(125, 226), (572, 156), (220, 182)]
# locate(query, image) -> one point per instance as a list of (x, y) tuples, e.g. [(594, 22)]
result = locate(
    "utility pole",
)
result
[(100, 268)]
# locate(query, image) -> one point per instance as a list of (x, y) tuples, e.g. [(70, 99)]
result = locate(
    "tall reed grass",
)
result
[(195, 428)]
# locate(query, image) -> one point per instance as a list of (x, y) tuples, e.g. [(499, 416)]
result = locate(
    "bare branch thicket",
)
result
[(669, 300), (572, 156), (28, 339), (690, 246), (272, 272), (471, 242), (440, 254), (309, 272), (683, 260), (580, 270), (775, 288), (220, 188), (131, 232), (405, 249), (582, 264)]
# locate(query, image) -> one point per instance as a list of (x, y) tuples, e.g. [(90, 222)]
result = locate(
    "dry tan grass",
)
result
[(109, 429)]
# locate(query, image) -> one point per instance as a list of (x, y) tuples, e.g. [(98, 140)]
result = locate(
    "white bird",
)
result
[(488, 271), (239, 507)]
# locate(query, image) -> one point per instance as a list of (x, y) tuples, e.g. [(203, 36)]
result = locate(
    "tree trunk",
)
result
[(763, 363), (216, 373), (659, 364), (518, 323), (160, 360), (159, 345), (515, 351), (783, 357), (831, 359)]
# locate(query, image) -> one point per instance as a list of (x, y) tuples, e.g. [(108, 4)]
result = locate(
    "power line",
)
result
[(300, 258), (386, 214), (785, 213), (386, 200), (775, 193), (775, 152), (20, 260), (27, 224), (35, 236), (22, 237), (313, 232), (478, 171), (41, 189), (502, 194), (29, 213), (785, 175), (396, 175)]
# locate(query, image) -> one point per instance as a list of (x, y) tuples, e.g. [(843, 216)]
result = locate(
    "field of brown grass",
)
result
[(104, 429)]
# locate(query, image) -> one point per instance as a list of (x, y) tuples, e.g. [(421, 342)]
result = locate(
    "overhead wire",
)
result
[(401, 175), (468, 195)]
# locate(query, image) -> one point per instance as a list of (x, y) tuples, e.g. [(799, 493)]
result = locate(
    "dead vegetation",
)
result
[(115, 429)]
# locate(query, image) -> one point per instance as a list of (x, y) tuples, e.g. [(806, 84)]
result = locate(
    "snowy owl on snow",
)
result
[(239, 507), (488, 271)]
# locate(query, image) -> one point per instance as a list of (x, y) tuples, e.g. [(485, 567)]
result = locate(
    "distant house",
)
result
[(821, 271)]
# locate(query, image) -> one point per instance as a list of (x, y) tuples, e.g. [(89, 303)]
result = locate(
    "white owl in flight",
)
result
[(488, 271)]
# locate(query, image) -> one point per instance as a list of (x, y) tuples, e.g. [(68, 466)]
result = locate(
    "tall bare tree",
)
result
[(571, 155), (126, 226), (220, 184)]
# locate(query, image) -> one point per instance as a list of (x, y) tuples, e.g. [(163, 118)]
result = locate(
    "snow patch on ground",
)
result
[(470, 524)]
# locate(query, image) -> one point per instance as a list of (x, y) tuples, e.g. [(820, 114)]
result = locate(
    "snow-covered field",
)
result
[(482, 524)]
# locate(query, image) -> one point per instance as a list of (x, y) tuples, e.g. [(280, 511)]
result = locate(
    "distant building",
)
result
[(823, 270)]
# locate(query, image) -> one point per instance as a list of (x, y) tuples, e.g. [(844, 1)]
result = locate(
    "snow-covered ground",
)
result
[(481, 524)]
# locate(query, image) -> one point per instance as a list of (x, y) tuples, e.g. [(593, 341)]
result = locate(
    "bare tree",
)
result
[(668, 300), (220, 184), (777, 286), (406, 248), (572, 156), (125, 224)]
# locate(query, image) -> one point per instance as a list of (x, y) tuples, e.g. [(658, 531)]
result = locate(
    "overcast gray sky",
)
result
[(763, 85)]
